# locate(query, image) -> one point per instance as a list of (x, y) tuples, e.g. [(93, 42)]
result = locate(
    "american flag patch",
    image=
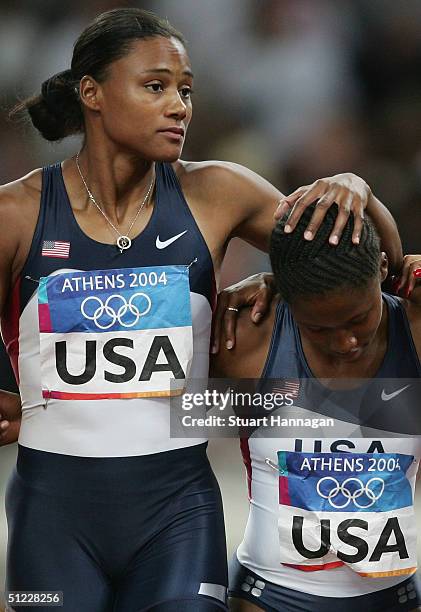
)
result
[(55, 248), (290, 387)]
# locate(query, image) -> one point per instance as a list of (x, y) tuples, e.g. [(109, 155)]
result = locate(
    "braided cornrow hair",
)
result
[(303, 267)]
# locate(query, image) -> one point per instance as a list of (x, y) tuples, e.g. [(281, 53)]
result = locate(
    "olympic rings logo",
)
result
[(105, 315), (352, 489)]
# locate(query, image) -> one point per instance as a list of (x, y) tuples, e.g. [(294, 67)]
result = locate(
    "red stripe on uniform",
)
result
[(284, 497), (44, 315), (315, 568), (245, 451)]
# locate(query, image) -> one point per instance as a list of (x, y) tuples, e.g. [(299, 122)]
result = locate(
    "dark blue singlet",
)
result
[(256, 573), (115, 533)]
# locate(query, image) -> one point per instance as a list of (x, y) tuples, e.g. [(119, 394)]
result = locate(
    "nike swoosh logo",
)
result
[(165, 243), (388, 396)]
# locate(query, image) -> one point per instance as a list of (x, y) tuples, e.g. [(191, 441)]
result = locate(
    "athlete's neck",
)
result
[(118, 181)]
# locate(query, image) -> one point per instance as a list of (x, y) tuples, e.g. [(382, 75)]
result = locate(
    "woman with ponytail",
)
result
[(108, 274), (56, 112)]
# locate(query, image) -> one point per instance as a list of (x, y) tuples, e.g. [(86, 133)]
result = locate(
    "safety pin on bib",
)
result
[(32, 279), (191, 263), (275, 467), (271, 464)]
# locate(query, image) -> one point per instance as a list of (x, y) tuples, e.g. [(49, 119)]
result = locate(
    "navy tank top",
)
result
[(171, 243), (332, 477)]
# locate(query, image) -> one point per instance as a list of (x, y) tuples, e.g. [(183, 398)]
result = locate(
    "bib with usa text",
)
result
[(120, 333), (348, 508)]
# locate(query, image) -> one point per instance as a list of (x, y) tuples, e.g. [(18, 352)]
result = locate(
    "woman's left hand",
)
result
[(410, 275), (350, 192), (256, 291)]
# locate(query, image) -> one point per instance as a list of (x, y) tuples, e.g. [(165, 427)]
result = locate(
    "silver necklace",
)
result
[(123, 240)]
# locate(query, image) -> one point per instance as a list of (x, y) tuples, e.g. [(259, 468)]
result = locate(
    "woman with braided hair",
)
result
[(108, 276), (331, 523)]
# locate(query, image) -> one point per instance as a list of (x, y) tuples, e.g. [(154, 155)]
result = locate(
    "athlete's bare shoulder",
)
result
[(223, 180), (19, 208), (242, 202), (21, 193)]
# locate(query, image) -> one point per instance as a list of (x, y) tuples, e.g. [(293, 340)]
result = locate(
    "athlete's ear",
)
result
[(384, 266), (89, 92)]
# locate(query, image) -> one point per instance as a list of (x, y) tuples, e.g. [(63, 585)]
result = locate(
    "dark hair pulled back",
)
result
[(57, 111)]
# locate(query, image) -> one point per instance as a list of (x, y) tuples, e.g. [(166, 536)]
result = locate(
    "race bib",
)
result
[(120, 333), (348, 508)]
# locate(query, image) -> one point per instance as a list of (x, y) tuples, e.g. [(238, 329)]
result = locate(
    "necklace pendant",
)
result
[(123, 243)]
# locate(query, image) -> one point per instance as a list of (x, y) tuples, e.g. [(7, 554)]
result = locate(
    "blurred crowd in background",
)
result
[(294, 89)]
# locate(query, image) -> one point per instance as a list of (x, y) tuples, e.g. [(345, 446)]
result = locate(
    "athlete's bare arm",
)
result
[(232, 201), (9, 247), (19, 207), (9, 240)]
